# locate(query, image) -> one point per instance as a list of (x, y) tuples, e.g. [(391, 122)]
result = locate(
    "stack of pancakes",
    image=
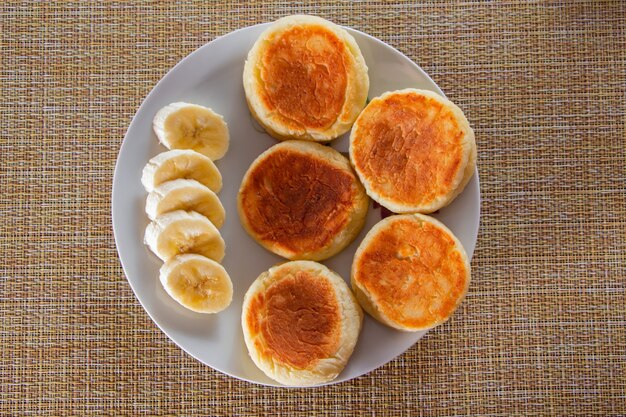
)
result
[(412, 151)]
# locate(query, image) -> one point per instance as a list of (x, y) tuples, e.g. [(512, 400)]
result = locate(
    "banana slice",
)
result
[(198, 283), (188, 195), (190, 126), (181, 232), (176, 164)]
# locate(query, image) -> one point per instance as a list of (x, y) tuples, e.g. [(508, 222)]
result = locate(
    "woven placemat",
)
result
[(542, 329)]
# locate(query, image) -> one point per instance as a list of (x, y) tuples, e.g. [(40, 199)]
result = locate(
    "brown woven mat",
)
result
[(542, 330)]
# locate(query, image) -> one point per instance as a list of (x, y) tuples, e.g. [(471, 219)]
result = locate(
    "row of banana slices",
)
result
[(184, 209)]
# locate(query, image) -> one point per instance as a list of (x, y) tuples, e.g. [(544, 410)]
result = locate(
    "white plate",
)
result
[(212, 76)]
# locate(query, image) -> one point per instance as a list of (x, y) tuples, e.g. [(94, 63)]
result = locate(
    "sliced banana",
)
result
[(177, 164), (190, 126), (181, 232), (198, 283), (188, 195)]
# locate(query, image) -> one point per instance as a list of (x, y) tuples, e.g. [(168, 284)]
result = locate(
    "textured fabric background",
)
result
[(542, 329)]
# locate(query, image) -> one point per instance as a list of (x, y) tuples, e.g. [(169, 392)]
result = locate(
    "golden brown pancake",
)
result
[(301, 200), (300, 320), (413, 150), (410, 272), (305, 78), (305, 97), (300, 323)]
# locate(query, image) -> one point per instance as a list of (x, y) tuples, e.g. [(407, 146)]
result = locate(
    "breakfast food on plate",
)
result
[(300, 323), (188, 195), (305, 78), (184, 209), (197, 283), (190, 126), (413, 150), (410, 272), (177, 164), (302, 200), (181, 232)]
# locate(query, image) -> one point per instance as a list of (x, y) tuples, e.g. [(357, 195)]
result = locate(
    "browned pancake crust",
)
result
[(410, 147), (414, 272), (298, 318), (305, 77), (297, 201)]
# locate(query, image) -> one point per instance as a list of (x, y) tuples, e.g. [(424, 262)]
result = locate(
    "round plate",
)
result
[(212, 76)]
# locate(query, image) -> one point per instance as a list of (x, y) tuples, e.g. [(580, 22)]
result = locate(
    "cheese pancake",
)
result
[(300, 323), (305, 78), (410, 272), (413, 150), (302, 200)]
